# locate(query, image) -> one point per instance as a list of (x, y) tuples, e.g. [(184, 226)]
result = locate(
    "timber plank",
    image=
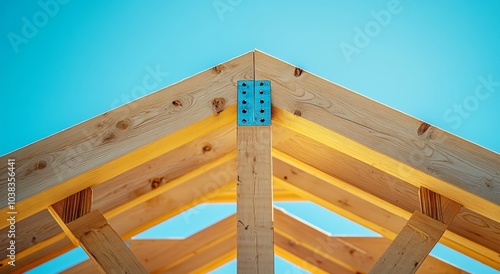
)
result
[(446, 163), (412, 245), (376, 246), (354, 254), (306, 258), (103, 245), (342, 253), (157, 256), (107, 145), (175, 200), (255, 252), (478, 230), (279, 194), (208, 259), (84, 267), (136, 182)]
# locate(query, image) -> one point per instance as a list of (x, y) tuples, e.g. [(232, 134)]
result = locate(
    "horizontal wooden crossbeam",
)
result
[(296, 241)]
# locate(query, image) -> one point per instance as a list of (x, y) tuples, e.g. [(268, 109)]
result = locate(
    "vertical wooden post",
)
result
[(255, 241), (92, 232), (417, 238)]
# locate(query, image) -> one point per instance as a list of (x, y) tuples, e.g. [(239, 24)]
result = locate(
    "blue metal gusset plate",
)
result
[(254, 103), (262, 105), (245, 102)]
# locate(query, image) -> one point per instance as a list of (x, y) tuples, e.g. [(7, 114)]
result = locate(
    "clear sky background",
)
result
[(63, 62)]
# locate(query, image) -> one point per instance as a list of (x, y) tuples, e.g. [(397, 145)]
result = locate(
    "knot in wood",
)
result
[(423, 128), (156, 182), (218, 105), (177, 103), (207, 148), (41, 165), (298, 72), (218, 69), (123, 124)]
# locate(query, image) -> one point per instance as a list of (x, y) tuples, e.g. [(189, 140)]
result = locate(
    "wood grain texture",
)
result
[(86, 266), (451, 162), (103, 245), (159, 257), (305, 258), (337, 195), (438, 207), (154, 211), (107, 145), (412, 245), (335, 250), (360, 207), (43, 253), (354, 254), (376, 246), (295, 241), (208, 259), (255, 252), (482, 239), (74, 206), (163, 255), (70, 209), (135, 182)]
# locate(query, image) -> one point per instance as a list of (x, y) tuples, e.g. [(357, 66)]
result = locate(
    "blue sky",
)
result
[(63, 62)]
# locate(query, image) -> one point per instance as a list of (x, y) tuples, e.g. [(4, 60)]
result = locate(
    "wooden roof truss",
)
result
[(151, 159)]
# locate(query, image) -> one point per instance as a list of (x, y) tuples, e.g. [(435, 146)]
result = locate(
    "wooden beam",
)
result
[(279, 194), (471, 233), (438, 207), (296, 241), (112, 143), (86, 266), (163, 255), (152, 212), (408, 149), (208, 259), (376, 246), (70, 209), (103, 245), (297, 249), (334, 250), (92, 232), (158, 257), (38, 231), (305, 258), (412, 245), (255, 200), (353, 254), (74, 206)]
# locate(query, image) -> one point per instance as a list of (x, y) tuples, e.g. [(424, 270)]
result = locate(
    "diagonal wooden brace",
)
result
[(417, 238), (92, 232)]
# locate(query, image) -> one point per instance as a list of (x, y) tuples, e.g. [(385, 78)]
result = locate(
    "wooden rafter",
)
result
[(92, 232), (40, 230), (110, 144), (338, 133), (369, 185), (103, 245), (301, 244), (170, 203), (414, 243), (383, 137)]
